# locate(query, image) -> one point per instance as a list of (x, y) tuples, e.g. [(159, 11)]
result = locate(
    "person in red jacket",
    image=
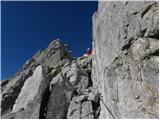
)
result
[(88, 53)]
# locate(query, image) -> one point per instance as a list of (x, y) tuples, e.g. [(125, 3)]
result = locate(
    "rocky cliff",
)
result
[(120, 79), (52, 84), (125, 59)]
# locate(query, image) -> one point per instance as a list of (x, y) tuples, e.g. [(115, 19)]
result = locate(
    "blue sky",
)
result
[(27, 27)]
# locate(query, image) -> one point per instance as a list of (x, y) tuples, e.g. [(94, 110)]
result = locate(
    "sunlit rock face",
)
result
[(54, 53), (30, 97), (54, 87), (125, 58), (119, 80)]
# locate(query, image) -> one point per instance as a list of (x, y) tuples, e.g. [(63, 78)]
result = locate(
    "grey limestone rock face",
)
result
[(12, 87), (94, 96), (74, 109), (87, 112), (70, 102), (59, 99), (46, 91), (120, 79), (12, 92), (77, 76), (53, 54), (125, 58), (28, 103), (80, 109)]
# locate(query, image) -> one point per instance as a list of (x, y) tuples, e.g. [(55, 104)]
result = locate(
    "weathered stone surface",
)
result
[(46, 91), (123, 82), (81, 98), (87, 112), (80, 109), (55, 80), (74, 109), (94, 96), (30, 97), (29, 64), (53, 54), (4, 84), (78, 77), (65, 70), (59, 99), (12, 88), (125, 58)]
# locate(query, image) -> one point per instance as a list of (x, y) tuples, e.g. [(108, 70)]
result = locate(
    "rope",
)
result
[(108, 109)]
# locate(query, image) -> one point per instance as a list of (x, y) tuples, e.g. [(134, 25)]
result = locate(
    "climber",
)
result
[(88, 53)]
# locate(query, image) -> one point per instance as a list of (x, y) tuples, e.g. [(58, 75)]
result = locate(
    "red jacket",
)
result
[(89, 52)]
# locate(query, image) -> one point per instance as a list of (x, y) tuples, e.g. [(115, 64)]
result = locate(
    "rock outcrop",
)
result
[(119, 80), (11, 88), (61, 93), (21, 93), (30, 97), (125, 58), (54, 87)]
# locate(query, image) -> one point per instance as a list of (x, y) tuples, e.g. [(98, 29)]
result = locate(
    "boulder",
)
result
[(87, 112), (59, 99), (78, 77), (74, 109), (12, 89), (80, 109), (29, 100)]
